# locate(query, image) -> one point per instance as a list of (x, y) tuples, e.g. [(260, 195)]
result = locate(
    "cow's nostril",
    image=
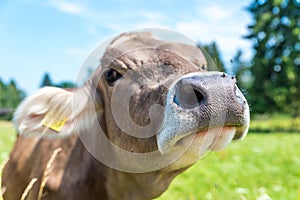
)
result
[(188, 97), (199, 96)]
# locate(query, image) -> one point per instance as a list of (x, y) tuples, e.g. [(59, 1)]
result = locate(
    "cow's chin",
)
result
[(197, 145)]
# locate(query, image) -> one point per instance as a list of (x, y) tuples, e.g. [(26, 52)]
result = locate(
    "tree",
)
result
[(2, 94), (276, 64), (65, 84), (213, 50), (241, 70), (10, 97), (46, 81)]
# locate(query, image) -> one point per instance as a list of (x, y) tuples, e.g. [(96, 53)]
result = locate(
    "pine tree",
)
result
[(214, 52), (65, 84), (276, 64), (10, 97), (241, 70), (46, 81)]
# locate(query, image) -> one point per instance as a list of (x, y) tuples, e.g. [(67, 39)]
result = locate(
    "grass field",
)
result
[(7, 137), (261, 166), (257, 167)]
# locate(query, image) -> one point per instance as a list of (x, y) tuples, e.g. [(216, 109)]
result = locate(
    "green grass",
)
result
[(275, 123), (7, 137), (259, 165), (262, 164)]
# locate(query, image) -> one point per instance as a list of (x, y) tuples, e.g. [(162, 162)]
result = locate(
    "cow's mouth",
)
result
[(197, 145), (212, 139)]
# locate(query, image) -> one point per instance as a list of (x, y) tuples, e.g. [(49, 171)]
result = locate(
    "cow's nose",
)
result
[(200, 101), (188, 95), (210, 94), (215, 89)]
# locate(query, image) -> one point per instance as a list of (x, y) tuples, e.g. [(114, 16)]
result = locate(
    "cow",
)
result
[(151, 110)]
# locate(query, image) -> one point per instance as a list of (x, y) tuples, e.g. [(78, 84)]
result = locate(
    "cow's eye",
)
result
[(112, 76)]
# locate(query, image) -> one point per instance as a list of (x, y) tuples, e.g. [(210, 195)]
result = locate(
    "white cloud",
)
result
[(220, 23), (67, 7), (152, 16), (194, 29), (132, 21), (227, 35), (215, 13), (150, 24)]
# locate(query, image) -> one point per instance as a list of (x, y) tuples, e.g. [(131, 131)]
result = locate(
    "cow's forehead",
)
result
[(144, 45)]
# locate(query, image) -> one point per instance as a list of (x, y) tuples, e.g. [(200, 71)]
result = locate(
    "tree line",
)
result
[(270, 79), (47, 81), (11, 95)]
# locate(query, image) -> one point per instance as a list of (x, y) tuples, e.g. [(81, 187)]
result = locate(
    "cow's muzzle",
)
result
[(201, 101)]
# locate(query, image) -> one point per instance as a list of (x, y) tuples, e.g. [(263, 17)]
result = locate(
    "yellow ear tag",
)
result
[(56, 124)]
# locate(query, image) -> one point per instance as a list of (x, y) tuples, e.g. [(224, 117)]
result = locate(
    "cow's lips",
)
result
[(212, 139), (196, 145)]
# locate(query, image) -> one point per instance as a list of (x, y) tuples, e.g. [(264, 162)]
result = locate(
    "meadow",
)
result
[(261, 167)]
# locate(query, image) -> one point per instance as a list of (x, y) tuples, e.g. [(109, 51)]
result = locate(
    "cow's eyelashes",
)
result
[(112, 76)]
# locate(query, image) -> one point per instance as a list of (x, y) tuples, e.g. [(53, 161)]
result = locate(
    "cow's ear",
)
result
[(50, 112)]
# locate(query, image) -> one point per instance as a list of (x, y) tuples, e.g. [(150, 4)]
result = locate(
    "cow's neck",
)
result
[(144, 186), (127, 186)]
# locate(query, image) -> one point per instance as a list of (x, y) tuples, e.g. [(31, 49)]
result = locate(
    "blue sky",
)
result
[(56, 36)]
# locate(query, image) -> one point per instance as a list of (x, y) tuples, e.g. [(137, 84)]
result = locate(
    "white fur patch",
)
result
[(51, 104)]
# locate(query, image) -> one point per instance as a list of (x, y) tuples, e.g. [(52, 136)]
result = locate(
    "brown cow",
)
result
[(149, 112)]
